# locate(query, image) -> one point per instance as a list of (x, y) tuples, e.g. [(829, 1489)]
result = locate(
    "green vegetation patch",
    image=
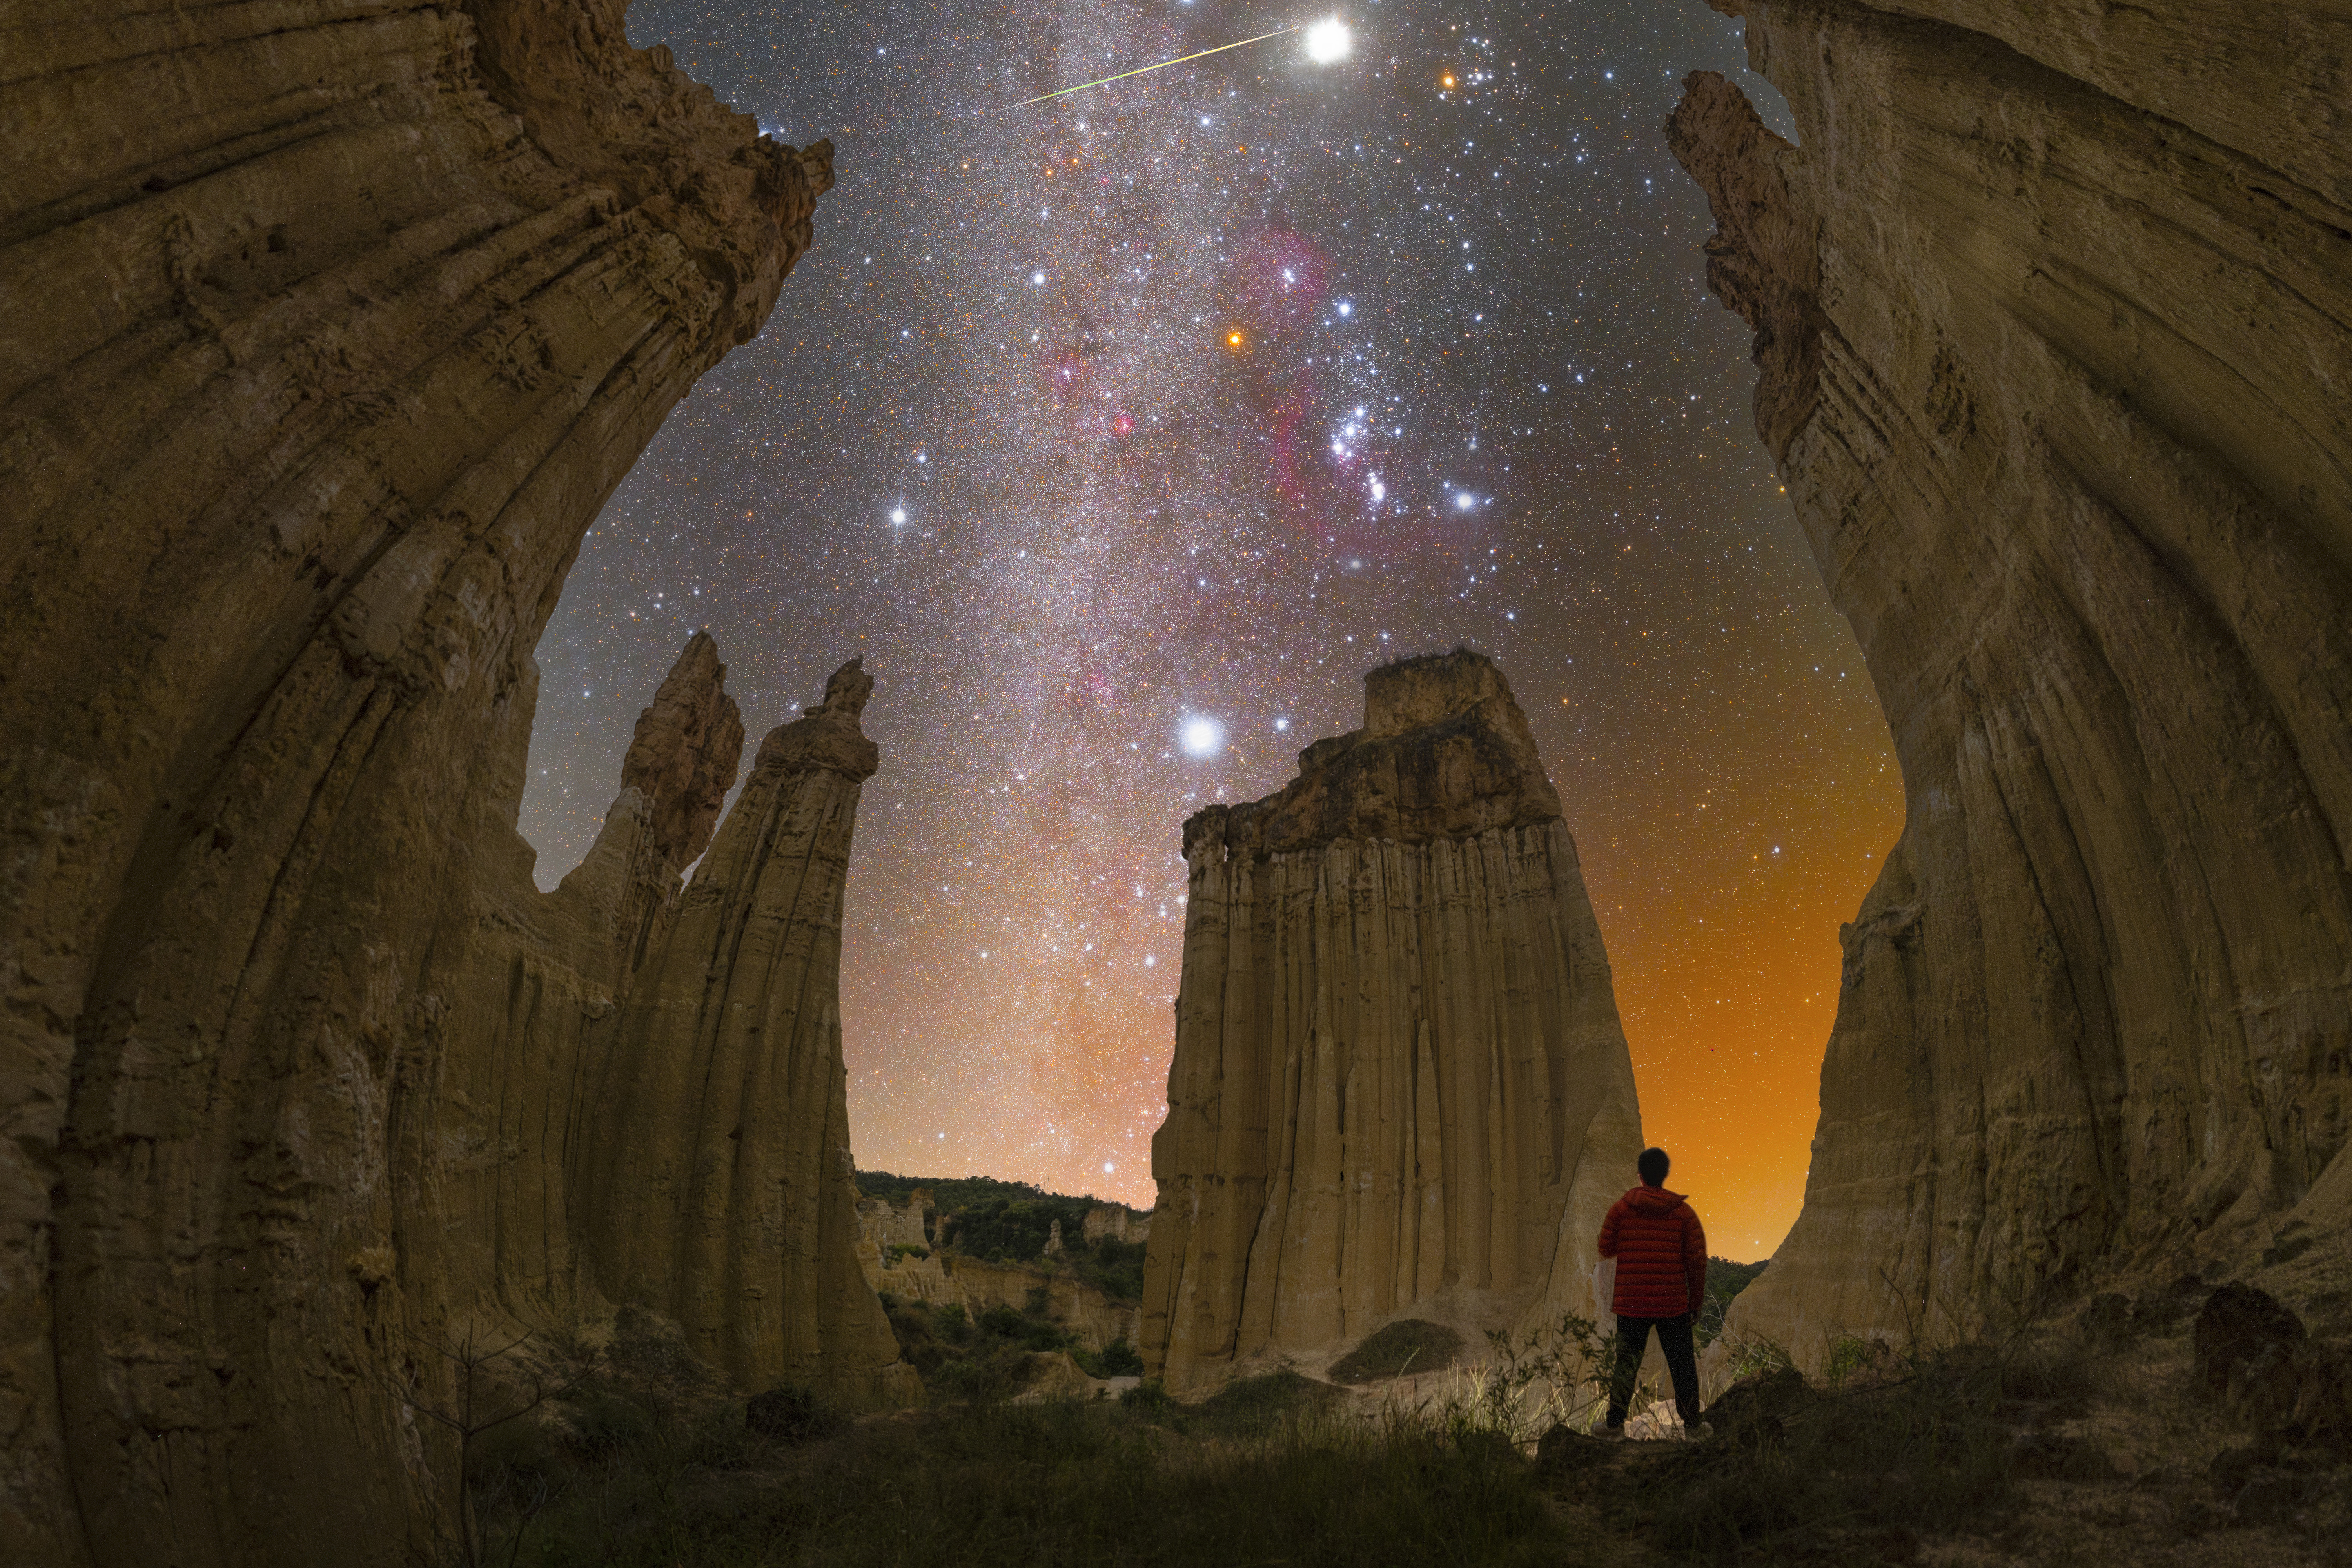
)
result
[(987, 1357), (1011, 1222), (1411, 1345), (1012, 1229), (1725, 1280)]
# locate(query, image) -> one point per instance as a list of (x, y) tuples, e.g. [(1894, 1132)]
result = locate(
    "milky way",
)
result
[(1120, 434)]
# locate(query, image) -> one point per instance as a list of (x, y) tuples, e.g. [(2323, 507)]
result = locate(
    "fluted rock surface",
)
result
[(525, 989), (328, 328), (2054, 316), (722, 1194), (687, 743), (1399, 1081)]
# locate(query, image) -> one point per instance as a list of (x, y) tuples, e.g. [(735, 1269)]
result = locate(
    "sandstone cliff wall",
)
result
[(2054, 316), (1400, 1081), (329, 329)]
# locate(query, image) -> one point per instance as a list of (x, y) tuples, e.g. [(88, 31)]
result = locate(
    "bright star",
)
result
[(1327, 40), (1200, 736)]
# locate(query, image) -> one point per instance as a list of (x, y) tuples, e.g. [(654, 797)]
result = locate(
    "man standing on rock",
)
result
[(1661, 1253)]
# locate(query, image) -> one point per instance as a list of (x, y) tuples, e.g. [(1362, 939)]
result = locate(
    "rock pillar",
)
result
[(1400, 1088), (719, 1183)]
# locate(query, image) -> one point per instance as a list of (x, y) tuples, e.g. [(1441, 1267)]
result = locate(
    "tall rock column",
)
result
[(719, 1183), (525, 989), (328, 328), (1400, 1087), (2054, 311)]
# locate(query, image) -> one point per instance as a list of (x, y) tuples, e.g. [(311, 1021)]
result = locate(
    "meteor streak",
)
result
[(1163, 65)]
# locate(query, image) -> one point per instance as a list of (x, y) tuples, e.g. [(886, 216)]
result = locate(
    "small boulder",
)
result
[(2245, 1341)]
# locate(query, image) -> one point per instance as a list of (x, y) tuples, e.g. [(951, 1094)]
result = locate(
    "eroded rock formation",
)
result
[(894, 1248), (527, 989), (2054, 310), (952, 1280), (720, 1190), (1118, 1223), (1399, 1081), (328, 330)]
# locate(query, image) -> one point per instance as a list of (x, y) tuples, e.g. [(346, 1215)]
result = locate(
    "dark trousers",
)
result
[(1681, 1365)]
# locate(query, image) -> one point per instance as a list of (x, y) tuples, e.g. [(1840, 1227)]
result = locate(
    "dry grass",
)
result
[(2047, 1451)]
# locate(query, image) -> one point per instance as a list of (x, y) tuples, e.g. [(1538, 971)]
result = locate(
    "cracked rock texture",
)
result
[(330, 327), (2054, 311), (1400, 1083)]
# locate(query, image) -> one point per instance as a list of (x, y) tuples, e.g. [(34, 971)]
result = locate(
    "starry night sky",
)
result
[(1156, 415)]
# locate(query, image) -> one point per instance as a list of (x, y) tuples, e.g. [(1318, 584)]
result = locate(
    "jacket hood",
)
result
[(1654, 1200)]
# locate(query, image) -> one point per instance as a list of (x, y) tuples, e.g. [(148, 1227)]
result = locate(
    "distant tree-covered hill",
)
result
[(1004, 1222), (1725, 1279)]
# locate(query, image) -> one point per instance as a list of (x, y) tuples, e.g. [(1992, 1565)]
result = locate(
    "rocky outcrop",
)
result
[(722, 1193), (952, 1279), (331, 327), (2054, 306), (894, 1250), (1399, 1082), (883, 1225), (1117, 1222)]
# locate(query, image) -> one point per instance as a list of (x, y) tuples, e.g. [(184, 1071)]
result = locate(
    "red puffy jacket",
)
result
[(1661, 1253)]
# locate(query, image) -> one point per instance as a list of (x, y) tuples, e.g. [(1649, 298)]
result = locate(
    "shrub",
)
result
[(1148, 1395), (604, 1420), (1111, 1265), (1725, 1280), (791, 1415), (1116, 1359)]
